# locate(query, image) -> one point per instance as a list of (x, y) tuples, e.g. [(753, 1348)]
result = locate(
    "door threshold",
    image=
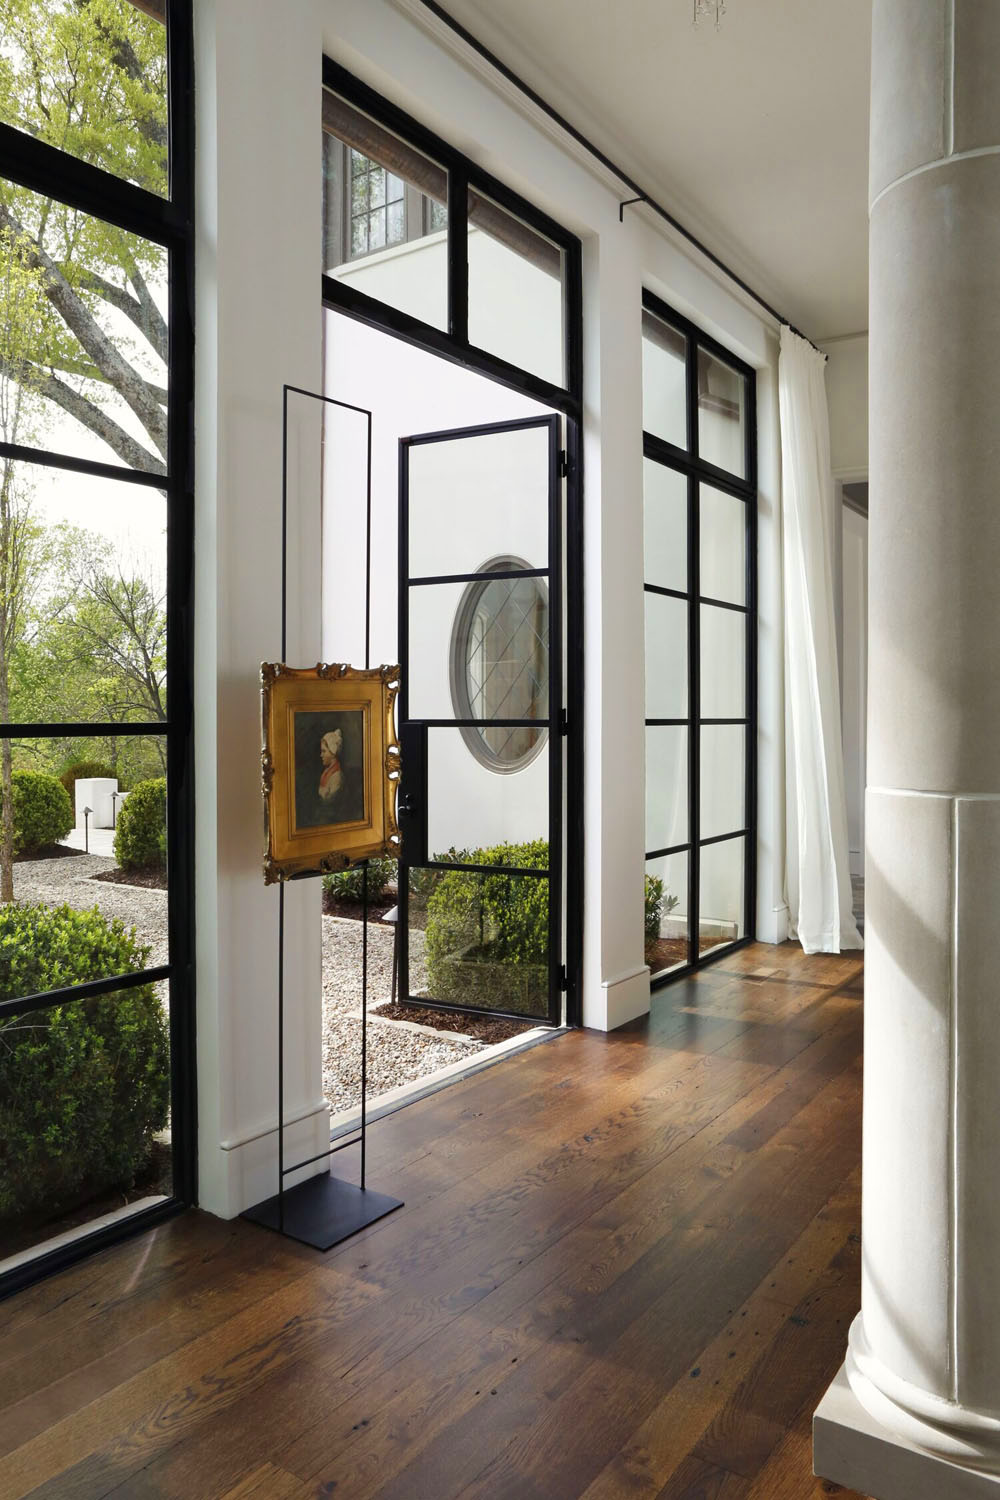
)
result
[(349, 1120)]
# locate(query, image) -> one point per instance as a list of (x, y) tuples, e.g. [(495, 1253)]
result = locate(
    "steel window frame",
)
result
[(453, 345), (169, 222), (698, 471)]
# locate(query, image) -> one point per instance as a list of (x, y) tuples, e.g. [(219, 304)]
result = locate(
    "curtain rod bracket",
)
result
[(627, 203)]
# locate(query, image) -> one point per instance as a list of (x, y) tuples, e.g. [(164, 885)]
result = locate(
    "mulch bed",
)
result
[(353, 910), (47, 851), (488, 1029), (150, 877), (666, 952)]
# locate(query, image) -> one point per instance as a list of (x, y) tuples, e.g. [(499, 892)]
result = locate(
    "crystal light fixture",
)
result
[(712, 10)]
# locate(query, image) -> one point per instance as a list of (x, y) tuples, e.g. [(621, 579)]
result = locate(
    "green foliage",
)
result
[(43, 812), (498, 922), (348, 885), (141, 834), (83, 770), (657, 903), (83, 1087)]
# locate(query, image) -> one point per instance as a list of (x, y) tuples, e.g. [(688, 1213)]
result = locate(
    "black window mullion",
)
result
[(694, 711), (458, 255)]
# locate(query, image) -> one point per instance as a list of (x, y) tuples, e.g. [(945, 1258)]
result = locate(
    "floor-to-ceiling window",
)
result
[(700, 506), (96, 827)]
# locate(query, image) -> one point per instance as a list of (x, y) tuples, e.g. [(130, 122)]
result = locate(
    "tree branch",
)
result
[(153, 323), (91, 416), (77, 317)]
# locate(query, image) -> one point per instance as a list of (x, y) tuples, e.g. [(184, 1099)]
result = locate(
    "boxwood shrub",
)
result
[(141, 832), (80, 770), (487, 936), (43, 812), (83, 1086), (347, 885)]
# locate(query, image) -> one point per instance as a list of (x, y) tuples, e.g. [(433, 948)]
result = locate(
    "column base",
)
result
[(853, 1449)]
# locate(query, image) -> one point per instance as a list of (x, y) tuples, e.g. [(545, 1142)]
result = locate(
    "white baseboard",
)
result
[(621, 999), (250, 1161)]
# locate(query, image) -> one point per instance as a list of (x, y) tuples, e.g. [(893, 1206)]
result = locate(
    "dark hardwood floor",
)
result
[(625, 1271)]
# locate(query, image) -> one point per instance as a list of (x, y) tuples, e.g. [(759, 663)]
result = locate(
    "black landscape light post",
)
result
[(114, 809), (86, 829)]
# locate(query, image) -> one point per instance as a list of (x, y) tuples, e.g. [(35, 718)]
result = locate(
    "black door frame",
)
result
[(696, 470), (454, 346), (413, 732)]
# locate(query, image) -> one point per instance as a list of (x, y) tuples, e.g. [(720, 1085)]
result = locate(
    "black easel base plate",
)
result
[(323, 1211)]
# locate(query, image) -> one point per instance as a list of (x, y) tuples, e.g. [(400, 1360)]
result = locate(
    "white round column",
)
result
[(924, 1353)]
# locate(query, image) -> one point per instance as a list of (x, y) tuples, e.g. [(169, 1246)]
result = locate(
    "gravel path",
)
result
[(396, 1053)]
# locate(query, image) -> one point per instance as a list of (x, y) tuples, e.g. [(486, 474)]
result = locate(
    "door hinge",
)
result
[(563, 463), (563, 979)]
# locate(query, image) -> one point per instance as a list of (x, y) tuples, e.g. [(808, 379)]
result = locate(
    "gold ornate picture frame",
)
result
[(330, 766)]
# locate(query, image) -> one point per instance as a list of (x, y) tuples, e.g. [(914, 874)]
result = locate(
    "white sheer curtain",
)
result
[(819, 881)]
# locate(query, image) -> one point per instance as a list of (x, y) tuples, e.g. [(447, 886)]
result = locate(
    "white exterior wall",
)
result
[(259, 324)]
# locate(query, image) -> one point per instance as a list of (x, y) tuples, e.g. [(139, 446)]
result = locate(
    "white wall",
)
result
[(847, 399), (855, 674), (258, 267)]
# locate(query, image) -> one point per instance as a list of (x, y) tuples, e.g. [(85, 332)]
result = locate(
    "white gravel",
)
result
[(396, 1053)]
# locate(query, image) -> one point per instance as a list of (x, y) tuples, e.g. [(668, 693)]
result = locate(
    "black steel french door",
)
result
[(481, 718)]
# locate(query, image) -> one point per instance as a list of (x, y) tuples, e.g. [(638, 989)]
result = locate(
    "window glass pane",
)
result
[(482, 646), (381, 194), (472, 808), (83, 323), (480, 940), (85, 610), (723, 778), (723, 546), (515, 291), (723, 662), (666, 913), (84, 1100), (720, 917), (666, 657), (91, 80), (666, 786), (664, 381), (665, 526), (478, 498), (722, 395)]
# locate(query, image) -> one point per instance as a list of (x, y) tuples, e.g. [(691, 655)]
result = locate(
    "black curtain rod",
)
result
[(598, 154)]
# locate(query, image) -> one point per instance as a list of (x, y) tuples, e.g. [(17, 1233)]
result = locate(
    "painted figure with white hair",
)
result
[(332, 777)]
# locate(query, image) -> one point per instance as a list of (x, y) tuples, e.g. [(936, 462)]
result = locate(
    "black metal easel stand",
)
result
[(323, 1210)]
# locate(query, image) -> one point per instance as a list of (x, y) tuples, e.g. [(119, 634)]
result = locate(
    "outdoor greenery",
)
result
[(84, 770), (141, 832), (83, 1087), (499, 923), (42, 811), (348, 885), (658, 903), (83, 350)]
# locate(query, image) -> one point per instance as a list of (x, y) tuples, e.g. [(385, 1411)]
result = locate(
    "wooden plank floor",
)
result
[(625, 1271)]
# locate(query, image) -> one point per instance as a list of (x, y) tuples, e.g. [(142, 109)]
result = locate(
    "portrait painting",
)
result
[(330, 763)]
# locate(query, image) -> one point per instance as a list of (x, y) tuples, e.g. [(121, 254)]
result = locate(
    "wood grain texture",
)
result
[(624, 1271)]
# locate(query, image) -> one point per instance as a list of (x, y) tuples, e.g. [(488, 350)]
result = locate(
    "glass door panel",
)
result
[(480, 634)]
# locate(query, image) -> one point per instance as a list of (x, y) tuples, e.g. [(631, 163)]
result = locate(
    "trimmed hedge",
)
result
[(80, 770), (83, 1086), (141, 832), (487, 936), (348, 885), (43, 813)]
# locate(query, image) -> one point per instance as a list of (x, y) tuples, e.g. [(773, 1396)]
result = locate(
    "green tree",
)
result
[(89, 77)]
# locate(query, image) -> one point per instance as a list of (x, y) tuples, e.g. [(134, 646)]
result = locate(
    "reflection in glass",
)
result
[(723, 662), (664, 381), (666, 657), (666, 786), (666, 913), (480, 941), (84, 1087), (721, 414), (723, 778), (380, 193), (92, 81), (720, 918), (665, 526), (516, 291), (723, 546), (500, 667)]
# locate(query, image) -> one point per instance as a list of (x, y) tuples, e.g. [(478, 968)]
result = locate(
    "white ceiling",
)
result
[(754, 136)]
